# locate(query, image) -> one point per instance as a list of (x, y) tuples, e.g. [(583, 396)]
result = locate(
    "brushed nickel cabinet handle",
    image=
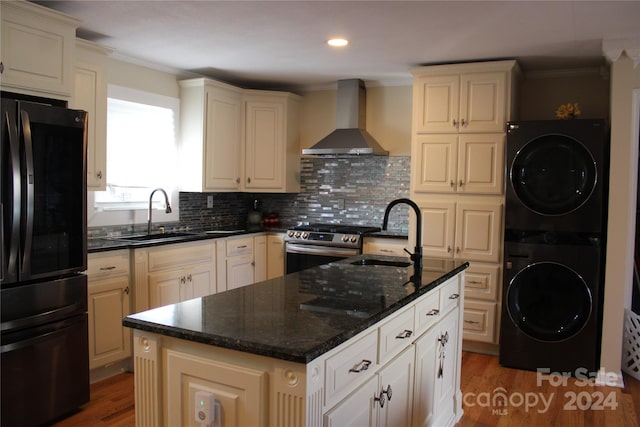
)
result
[(433, 312), (404, 334), (362, 366)]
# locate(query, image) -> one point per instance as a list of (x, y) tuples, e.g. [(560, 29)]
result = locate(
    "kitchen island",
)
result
[(356, 342)]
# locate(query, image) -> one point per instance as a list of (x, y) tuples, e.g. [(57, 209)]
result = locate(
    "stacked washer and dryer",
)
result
[(555, 230)]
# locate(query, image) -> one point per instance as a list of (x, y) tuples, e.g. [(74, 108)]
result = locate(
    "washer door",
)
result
[(549, 301), (553, 175)]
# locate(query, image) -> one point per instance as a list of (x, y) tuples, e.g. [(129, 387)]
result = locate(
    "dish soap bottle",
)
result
[(254, 219)]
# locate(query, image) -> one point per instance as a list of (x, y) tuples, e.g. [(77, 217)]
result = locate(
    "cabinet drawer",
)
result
[(108, 264), (481, 281), (346, 369), (382, 246), (427, 312), (449, 294), (239, 246), (180, 254), (479, 322), (394, 335)]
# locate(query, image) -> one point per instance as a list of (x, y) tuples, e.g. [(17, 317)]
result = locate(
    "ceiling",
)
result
[(281, 44)]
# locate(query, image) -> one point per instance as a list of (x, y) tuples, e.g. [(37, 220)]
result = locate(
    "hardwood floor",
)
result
[(550, 404)]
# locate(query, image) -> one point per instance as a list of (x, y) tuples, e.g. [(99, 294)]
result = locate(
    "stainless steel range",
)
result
[(316, 244)]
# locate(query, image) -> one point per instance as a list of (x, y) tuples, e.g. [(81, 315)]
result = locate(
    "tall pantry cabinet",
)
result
[(457, 178)]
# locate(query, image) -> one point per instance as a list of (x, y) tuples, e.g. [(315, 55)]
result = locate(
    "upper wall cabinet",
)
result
[(90, 94), (210, 146), (238, 140), (37, 50), (465, 98), (272, 160)]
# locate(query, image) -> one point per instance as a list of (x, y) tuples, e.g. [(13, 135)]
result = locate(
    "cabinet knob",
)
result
[(190, 278), (380, 399), (388, 392), (454, 296), (444, 338), (464, 123), (238, 180), (248, 180), (1, 68), (461, 183), (452, 184), (99, 175), (457, 249), (183, 280), (126, 290), (455, 123), (449, 249)]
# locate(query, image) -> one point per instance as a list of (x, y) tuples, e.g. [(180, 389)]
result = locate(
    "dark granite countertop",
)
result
[(300, 316), (102, 244)]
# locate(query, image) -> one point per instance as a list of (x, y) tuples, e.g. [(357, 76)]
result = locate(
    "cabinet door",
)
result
[(480, 321), (482, 102), (481, 164), (438, 228), (478, 231), (275, 256), (436, 104), (37, 49), (109, 303), (223, 139), (90, 94), (358, 410), (396, 379), (434, 163), (240, 271), (260, 258), (425, 378), (264, 145), (446, 366), (201, 281), (165, 287)]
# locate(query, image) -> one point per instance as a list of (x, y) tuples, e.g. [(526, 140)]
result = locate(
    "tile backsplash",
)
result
[(348, 189)]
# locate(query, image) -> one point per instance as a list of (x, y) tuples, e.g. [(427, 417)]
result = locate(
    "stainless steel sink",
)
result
[(216, 232), (383, 262), (156, 237)]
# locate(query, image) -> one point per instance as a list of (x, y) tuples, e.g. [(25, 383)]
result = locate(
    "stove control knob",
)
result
[(290, 233), (305, 235), (345, 238), (298, 234), (354, 239)]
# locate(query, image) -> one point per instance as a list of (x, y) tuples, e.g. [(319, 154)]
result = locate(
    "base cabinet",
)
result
[(109, 302)]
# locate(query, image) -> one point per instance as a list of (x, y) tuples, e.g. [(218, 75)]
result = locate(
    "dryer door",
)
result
[(553, 174), (549, 301)]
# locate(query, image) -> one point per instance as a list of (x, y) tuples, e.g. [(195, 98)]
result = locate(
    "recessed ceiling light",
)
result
[(338, 42)]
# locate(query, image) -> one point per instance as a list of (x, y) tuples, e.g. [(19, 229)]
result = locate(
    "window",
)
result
[(141, 156)]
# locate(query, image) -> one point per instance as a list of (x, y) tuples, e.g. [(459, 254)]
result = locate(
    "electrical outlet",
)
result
[(209, 202)]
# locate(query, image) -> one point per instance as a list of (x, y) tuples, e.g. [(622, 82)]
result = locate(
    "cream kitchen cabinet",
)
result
[(242, 261), (211, 135), (175, 272), (237, 140), (465, 163), (465, 230), (109, 301), (37, 50), (384, 400), (90, 94), (465, 98), (275, 255), (272, 160), (385, 246)]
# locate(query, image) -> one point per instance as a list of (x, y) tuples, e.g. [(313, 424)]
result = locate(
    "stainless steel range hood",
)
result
[(350, 136)]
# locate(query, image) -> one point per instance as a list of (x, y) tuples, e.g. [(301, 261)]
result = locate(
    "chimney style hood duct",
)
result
[(350, 136)]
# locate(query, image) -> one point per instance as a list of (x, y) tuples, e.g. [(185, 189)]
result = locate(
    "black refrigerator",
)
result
[(44, 366)]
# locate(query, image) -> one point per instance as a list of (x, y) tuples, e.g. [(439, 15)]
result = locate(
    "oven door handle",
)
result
[(321, 250)]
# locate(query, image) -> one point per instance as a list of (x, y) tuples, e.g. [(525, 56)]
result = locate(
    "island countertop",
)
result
[(300, 316)]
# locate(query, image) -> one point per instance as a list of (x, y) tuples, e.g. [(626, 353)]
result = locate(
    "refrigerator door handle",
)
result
[(11, 272), (29, 196)]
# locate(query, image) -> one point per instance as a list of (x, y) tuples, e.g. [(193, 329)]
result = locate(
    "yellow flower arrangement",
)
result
[(568, 111)]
